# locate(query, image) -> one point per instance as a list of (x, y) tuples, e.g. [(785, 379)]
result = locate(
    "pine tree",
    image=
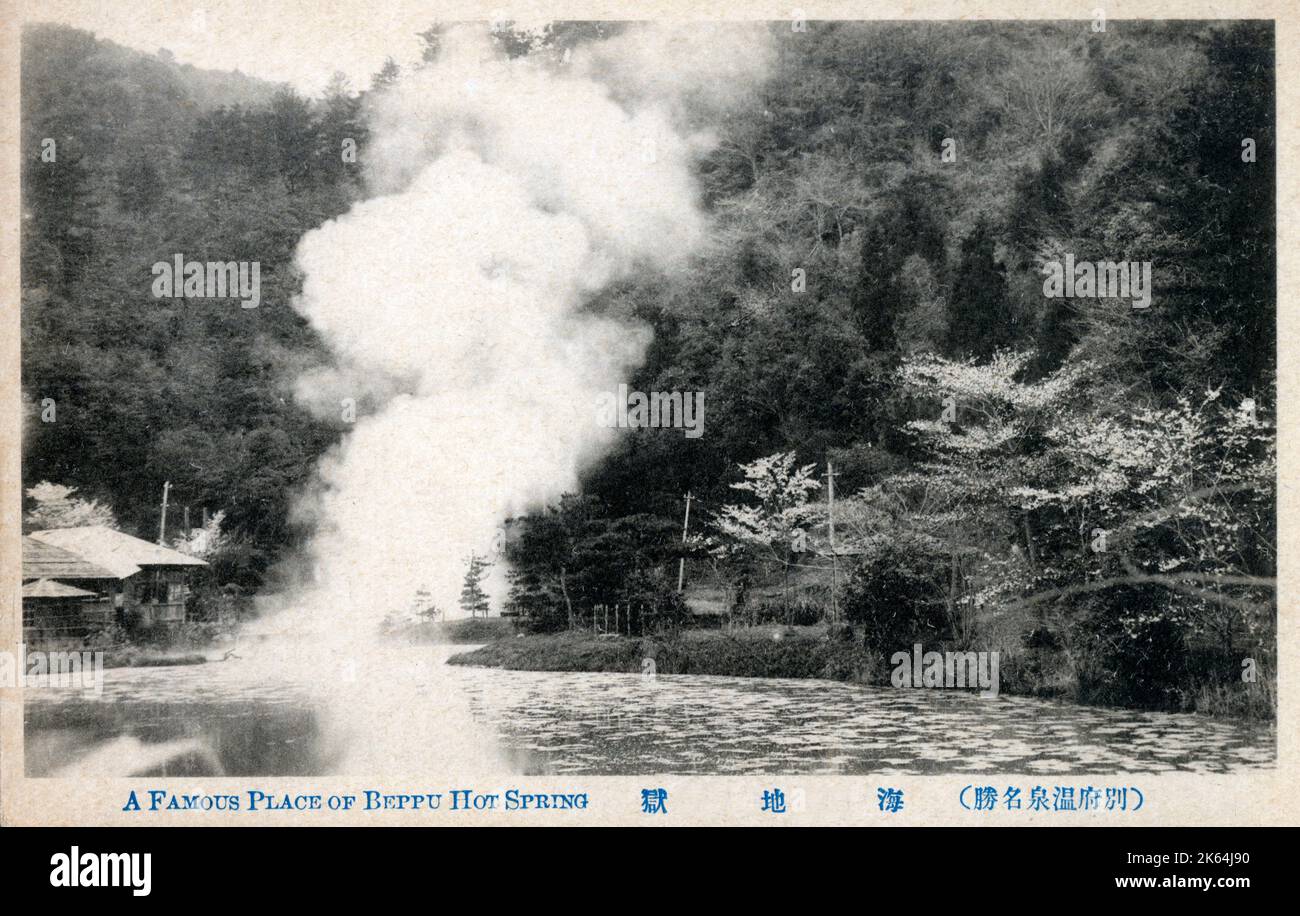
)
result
[(472, 597), (431, 42), (875, 298), (979, 311), (341, 122), (390, 73)]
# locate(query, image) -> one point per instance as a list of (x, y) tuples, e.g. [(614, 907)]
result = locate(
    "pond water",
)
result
[(408, 713)]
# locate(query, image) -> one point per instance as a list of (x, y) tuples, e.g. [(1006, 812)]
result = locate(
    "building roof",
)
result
[(48, 588), (121, 554), (47, 561)]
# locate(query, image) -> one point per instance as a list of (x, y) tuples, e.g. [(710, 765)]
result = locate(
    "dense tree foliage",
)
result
[(1073, 421), (884, 207), (149, 160)]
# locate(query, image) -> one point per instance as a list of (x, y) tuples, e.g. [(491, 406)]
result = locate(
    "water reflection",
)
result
[(625, 723), (415, 715)]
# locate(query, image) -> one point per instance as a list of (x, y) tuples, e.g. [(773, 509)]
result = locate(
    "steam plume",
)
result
[(508, 193)]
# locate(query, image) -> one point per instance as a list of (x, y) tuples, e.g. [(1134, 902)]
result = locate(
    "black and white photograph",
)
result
[(471, 408)]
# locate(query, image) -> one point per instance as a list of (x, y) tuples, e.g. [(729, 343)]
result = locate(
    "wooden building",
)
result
[(65, 597), (149, 583)]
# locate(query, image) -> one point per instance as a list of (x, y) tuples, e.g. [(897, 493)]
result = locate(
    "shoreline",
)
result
[(768, 652), (763, 652)]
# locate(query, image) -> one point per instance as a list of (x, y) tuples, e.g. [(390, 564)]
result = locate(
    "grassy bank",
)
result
[(771, 651), (778, 651), (472, 630), (142, 657), (1206, 688)]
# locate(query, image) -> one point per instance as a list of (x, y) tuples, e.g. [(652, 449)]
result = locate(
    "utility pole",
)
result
[(681, 564), (830, 515), (162, 521)]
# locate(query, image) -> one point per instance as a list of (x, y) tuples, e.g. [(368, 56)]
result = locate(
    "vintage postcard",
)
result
[(563, 414)]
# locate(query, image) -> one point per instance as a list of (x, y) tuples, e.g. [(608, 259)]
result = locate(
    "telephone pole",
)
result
[(681, 564), (162, 521), (830, 515)]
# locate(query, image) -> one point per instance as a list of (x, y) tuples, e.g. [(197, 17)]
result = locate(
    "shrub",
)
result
[(109, 636), (212, 602), (1130, 648), (894, 593), (660, 607)]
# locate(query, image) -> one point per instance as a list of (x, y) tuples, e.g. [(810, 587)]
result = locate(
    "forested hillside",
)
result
[(1114, 147), (883, 210), (155, 159)]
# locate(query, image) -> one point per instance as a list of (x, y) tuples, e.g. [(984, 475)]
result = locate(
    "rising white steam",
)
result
[(509, 193)]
